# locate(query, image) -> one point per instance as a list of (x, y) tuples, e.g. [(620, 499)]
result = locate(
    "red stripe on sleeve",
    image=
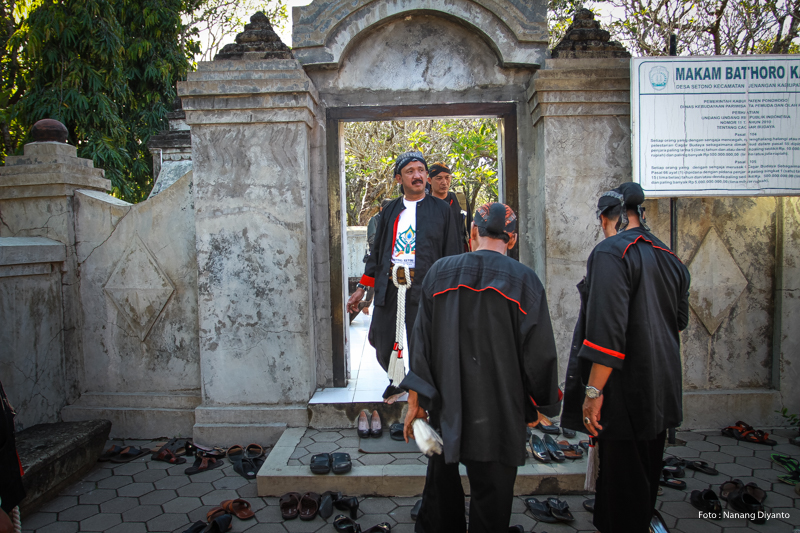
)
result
[(368, 281), (618, 355)]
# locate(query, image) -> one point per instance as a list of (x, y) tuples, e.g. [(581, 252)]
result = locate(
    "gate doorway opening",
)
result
[(355, 190)]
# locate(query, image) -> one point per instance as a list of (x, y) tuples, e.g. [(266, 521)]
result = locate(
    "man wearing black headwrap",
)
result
[(624, 373), (414, 231), (483, 354), (440, 178)]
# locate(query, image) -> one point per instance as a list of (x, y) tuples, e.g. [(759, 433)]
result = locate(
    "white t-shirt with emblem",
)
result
[(405, 242)]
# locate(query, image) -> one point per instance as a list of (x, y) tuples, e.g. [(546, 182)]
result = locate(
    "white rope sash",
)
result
[(397, 370)]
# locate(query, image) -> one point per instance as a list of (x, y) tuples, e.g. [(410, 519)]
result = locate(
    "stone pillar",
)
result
[(36, 200), (171, 150), (580, 105), (251, 111)]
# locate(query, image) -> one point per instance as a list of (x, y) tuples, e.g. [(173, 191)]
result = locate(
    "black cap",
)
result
[(496, 218), (437, 168)]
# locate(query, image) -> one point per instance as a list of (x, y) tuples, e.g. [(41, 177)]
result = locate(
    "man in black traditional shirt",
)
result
[(484, 358), (414, 231), (624, 374), (440, 178)]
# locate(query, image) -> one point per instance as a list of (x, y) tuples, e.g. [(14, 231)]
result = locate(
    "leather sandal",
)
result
[(239, 508), (560, 510), (396, 431), (707, 501), (743, 502), (729, 488), (202, 463), (253, 451), (290, 505), (309, 506), (668, 480), (219, 524)]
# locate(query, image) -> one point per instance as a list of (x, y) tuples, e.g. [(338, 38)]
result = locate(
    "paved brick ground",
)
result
[(149, 496)]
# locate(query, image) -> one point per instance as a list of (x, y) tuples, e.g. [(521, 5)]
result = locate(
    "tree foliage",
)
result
[(467, 146), (703, 27)]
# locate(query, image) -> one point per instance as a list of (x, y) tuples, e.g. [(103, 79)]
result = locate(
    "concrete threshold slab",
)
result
[(286, 469)]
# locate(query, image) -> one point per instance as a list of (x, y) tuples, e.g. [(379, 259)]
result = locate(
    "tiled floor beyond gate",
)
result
[(148, 496)]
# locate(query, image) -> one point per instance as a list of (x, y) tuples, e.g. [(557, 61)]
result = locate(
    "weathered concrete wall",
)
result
[(138, 285), (356, 248), (36, 200), (32, 355)]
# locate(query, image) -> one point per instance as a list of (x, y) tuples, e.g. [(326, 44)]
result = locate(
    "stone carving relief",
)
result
[(717, 282), (139, 288)]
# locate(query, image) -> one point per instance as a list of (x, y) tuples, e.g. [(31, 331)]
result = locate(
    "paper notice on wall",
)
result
[(716, 126)]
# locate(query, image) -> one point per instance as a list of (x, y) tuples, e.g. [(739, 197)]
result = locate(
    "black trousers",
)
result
[(628, 484), (383, 325), (492, 494)]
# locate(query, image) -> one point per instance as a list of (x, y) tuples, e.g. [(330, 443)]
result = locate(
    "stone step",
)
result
[(376, 474)]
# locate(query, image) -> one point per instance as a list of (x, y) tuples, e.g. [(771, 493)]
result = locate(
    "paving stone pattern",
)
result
[(150, 496)]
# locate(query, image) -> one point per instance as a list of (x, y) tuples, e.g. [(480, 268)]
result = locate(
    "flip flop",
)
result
[(239, 508), (113, 451), (744, 434), (203, 463), (129, 454), (570, 451), (730, 488), (553, 449), (791, 464), (789, 479), (309, 506), (540, 510), (560, 510), (289, 504), (667, 480), (707, 501), (539, 450), (702, 466)]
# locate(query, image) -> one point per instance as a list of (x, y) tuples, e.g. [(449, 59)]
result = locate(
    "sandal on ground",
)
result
[(220, 524), (742, 433), (791, 464), (560, 510), (571, 451), (589, 505), (289, 504), (348, 525), (168, 456), (790, 479), (321, 463), (239, 508), (214, 513), (197, 527), (553, 449), (309, 506), (346, 503), (702, 466), (667, 480), (171, 445), (675, 466), (113, 451), (341, 463), (253, 451), (129, 454), (202, 463), (540, 510), (539, 449), (729, 488), (707, 502), (396, 431)]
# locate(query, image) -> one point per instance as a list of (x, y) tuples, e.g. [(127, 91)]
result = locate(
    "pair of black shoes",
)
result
[(743, 498), (349, 525), (550, 511), (322, 463), (331, 499), (549, 450), (369, 427)]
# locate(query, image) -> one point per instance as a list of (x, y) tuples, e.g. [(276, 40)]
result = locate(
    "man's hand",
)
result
[(352, 303), (414, 412), (591, 410), (5, 523)]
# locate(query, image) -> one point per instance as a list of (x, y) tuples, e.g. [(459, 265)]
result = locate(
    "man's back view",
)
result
[(484, 354)]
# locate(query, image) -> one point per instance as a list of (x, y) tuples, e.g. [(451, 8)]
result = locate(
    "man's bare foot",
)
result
[(393, 398)]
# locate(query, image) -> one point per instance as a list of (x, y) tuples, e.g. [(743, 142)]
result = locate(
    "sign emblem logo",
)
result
[(658, 78)]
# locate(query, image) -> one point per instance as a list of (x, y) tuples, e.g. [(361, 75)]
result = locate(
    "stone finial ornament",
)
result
[(49, 130), (586, 39), (258, 40)]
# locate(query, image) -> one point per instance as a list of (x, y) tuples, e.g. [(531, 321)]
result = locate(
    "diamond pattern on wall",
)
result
[(717, 282), (139, 288)]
